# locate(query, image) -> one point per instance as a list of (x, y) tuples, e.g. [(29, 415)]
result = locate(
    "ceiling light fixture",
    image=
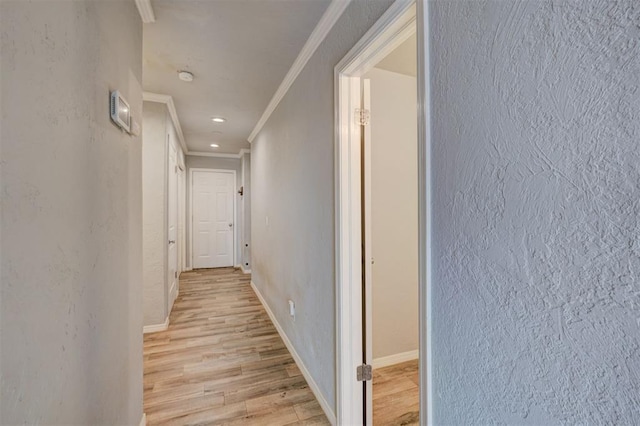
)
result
[(219, 119), (214, 145), (185, 76)]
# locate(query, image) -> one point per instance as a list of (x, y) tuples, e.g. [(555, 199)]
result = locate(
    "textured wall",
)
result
[(71, 259), (154, 202), (536, 171), (292, 179), (394, 212), (199, 162)]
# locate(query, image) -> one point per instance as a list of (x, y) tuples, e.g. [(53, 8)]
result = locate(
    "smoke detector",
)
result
[(185, 76)]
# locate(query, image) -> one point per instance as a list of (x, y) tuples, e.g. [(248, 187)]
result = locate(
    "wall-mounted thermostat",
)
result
[(120, 111)]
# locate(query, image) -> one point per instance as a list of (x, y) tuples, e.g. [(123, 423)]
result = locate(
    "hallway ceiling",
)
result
[(238, 50)]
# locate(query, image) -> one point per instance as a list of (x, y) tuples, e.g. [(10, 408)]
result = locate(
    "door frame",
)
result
[(182, 220), (235, 219), (403, 18)]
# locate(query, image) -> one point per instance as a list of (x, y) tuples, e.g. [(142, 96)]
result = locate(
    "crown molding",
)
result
[(329, 18), (168, 100), (146, 11), (217, 155)]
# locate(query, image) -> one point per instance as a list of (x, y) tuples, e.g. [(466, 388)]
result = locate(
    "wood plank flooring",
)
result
[(395, 394), (222, 361)]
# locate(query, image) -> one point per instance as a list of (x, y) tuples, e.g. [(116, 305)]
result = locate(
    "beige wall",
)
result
[(394, 209), (71, 317), (154, 151)]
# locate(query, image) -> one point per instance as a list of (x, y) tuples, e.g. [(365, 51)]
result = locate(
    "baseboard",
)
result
[(312, 384), (394, 359), (156, 327), (143, 420), (245, 271)]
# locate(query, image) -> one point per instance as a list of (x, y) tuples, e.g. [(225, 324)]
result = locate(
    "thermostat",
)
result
[(120, 111)]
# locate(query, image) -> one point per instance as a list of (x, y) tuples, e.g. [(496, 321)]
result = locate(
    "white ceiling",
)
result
[(403, 59), (238, 50)]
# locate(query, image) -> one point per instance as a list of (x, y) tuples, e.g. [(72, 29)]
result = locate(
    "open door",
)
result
[(367, 257)]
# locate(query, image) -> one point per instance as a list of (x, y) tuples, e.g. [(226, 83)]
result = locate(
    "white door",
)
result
[(212, 209), (172, 225)]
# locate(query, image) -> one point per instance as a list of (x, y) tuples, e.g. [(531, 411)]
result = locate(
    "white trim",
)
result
[(245, 271), (235, 209), (143, 420), (220, 155), (368, 246), (391, 30), (348, 257), (326, 407), (156, 327), (168, 100), (329, 18), (146, 11), (425, 207), (386, 361), (395, 26)]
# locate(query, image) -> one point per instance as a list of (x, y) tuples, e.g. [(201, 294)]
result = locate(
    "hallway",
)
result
[(222, 361)]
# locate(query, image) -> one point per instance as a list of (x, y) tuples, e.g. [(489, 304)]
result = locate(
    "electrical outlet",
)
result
[(292, 309)]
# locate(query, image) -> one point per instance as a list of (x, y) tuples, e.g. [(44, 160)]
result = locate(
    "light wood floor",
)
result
[(395, 394), (222, 361)]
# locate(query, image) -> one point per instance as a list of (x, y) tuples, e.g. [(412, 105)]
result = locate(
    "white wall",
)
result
[(536, 256), (292, 183), (394, 209), (201, 162), (71, 341)]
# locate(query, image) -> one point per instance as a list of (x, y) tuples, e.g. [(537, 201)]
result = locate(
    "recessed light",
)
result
[(214, 145), (185, 76), (219, 119)]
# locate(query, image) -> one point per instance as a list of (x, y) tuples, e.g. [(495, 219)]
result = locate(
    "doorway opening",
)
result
[(354, 232)]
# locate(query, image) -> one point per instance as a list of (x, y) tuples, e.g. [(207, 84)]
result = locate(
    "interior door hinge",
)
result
[(364, 373), (363, 116)]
